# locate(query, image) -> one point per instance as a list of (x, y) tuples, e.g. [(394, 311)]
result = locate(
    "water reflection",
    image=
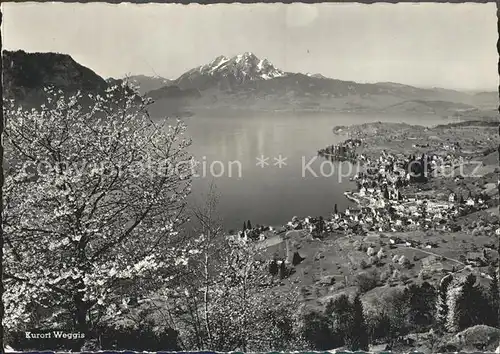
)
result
[(271, 195)]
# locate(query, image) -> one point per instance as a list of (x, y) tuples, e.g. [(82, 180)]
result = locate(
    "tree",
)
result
[(357, 338), (244, 226), (249, 225), (398, 308), (94, 198), (335, 209), (273, 267), (223, 306), (467, 305), (339, 312), (367, 281), (317, 331), (210, 231), (245, 316), (422, 302), (442, 302), (378, 324)]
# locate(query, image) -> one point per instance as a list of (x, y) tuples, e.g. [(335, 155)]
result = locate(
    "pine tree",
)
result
[(442, 302), (422, 301), (357, 337), (452, 317), (494, 296), (249, 225), (339, 311), (273, 268), (244, 226), (335, 209), (467, 306)]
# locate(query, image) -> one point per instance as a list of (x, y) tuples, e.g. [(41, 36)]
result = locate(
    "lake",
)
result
[(227, 147)]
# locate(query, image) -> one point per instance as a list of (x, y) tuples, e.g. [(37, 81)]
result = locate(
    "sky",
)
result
[(426, 45)]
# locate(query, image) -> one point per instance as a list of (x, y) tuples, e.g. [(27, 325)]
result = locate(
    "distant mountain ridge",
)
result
[(148, 83), (243, 81)]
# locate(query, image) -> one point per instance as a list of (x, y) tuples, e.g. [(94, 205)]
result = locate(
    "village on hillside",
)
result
[(414, 219)]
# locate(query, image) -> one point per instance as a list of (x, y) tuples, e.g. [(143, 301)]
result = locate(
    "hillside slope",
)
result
[(26, 74)]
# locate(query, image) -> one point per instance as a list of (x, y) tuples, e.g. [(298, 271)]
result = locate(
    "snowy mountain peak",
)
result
[(247, 56), (317, 76), (228, 72), (220, 59), (242, 67)]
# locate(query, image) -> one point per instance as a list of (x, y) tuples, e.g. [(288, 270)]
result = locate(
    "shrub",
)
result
[(385, 275), (405, 262), (363, 264), (367, 281)]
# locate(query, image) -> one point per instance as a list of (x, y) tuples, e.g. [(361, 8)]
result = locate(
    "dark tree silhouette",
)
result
[(471, 307), (321, 225), (422, 302), (357, 337), (273, 268), (339, 312), (400, 196), (317, 331), (494, 296)]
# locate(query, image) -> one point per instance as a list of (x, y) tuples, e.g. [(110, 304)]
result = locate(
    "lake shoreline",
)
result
[(364, 198)]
